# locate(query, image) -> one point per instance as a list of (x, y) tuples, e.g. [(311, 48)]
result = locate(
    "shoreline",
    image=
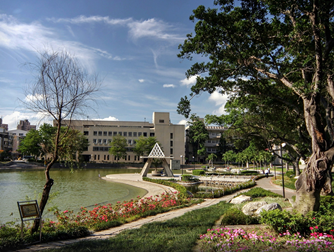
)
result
[(136, 180)]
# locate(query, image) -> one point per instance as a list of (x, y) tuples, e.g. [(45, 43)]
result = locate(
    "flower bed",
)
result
[(225, 239)]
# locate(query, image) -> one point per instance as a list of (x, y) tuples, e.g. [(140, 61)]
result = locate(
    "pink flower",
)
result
[(66, 211), (311, 228)]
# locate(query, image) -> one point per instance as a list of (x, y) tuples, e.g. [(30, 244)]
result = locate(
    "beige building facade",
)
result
[(100, 134)]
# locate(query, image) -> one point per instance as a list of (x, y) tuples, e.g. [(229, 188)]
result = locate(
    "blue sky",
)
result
[(131, 45)]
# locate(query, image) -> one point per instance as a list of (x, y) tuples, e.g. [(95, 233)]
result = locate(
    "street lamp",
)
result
[(274, 166), (181, 163), (282, 145)]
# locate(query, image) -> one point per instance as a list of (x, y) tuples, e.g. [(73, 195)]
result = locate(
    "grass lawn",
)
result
[(178, 234)]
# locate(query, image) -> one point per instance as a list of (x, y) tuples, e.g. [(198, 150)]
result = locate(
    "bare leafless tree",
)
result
[(62, 89)]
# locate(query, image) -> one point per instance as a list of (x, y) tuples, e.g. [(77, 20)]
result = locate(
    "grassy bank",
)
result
[(178, 234)]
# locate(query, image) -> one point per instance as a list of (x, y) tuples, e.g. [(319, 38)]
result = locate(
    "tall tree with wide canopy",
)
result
[(279, 49), (62, 89)]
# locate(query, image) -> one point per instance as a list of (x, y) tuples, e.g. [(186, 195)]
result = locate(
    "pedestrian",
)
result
[(266, 172)]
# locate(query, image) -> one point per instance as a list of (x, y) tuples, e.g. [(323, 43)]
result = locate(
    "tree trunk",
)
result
[(314, 179), (42, 204)]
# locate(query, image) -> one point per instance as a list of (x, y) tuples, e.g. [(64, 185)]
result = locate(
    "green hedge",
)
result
[(198, 172), (180, 188)]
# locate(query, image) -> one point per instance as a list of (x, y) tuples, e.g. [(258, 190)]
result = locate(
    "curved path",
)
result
[(136, 181)]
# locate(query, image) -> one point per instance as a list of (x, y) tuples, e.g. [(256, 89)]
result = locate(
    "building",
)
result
[(15, 137), (100, 134), (212, 145), (4, 126), (25, 125)]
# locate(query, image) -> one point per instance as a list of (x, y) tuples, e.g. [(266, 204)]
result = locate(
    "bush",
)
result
[(189, 178), (234, 216), (257, 192), (249, 172), (198, 172)]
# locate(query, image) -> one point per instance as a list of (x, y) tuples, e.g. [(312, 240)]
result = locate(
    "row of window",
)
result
[(95, 148), (114, 133), (108, 141), (108, 157), (213, 141), (125, 134)]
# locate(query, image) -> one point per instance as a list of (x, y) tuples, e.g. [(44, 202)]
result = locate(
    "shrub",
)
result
[(234, 216), (198, 172), (189, 178), (249, 172), (257, 192)]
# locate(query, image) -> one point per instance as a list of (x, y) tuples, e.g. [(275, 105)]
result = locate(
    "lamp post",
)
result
[(181, 163), (194, 163), (274, 166), (282, 145)]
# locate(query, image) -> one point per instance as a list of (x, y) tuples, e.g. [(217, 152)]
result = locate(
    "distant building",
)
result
[(212, 145), (15, 137), (4, 126), (25, 125), (100, 134)]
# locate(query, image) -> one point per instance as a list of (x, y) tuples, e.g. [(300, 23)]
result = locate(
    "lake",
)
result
[(70, 190)]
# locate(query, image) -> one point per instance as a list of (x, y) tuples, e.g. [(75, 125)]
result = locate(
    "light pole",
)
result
[(194, 163), (274, 166), (181, 163), (282, 145)]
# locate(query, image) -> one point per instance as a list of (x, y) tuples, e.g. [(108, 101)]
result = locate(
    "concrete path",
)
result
[(105, 234)]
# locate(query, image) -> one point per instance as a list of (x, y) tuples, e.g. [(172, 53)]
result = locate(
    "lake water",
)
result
[(74, 190)]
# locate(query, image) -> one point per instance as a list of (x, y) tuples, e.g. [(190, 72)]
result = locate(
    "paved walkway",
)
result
[(105, 234)]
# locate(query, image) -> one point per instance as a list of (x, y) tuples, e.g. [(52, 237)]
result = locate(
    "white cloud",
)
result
[(14, 118), (30, 98), (152, 28), (34, 37), (189, 81), (92, 19), (168, 86), (137, 29), (183, 122), (218, 98), (141, 80), (110, 118)]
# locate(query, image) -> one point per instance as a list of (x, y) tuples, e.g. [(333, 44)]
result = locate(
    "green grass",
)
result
[(178, 234), (288, 181)]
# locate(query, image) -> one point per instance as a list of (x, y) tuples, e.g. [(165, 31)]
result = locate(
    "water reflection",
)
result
[(81, 188)]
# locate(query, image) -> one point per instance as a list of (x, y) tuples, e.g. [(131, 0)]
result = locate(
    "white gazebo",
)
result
[(157, 153)]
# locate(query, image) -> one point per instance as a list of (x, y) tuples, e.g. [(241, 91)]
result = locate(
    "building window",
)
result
[(110, 133), (171, 143), (99, 141), (134, 134), (105, 133), (129, 142), (94, 141), (135, 158), (120, 133), (115, 133), (129, 157), (107, 157), (95, 133), (98, 157), (161, 121), (100, 133), (152, 134), (104, 141), (130, 134), (109, 140), (171, 151), (86, 133), (171, 135), (139, 134), (145, 134), (125, 134)]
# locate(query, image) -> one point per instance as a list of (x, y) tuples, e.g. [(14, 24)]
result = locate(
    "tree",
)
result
[(276, 49), (144, 145), (31, 144), (229, 156), (118, 147), (62, 89), (197, 135), (211, 158)]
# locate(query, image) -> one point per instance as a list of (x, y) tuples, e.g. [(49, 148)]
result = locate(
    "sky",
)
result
[(132, 45)]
